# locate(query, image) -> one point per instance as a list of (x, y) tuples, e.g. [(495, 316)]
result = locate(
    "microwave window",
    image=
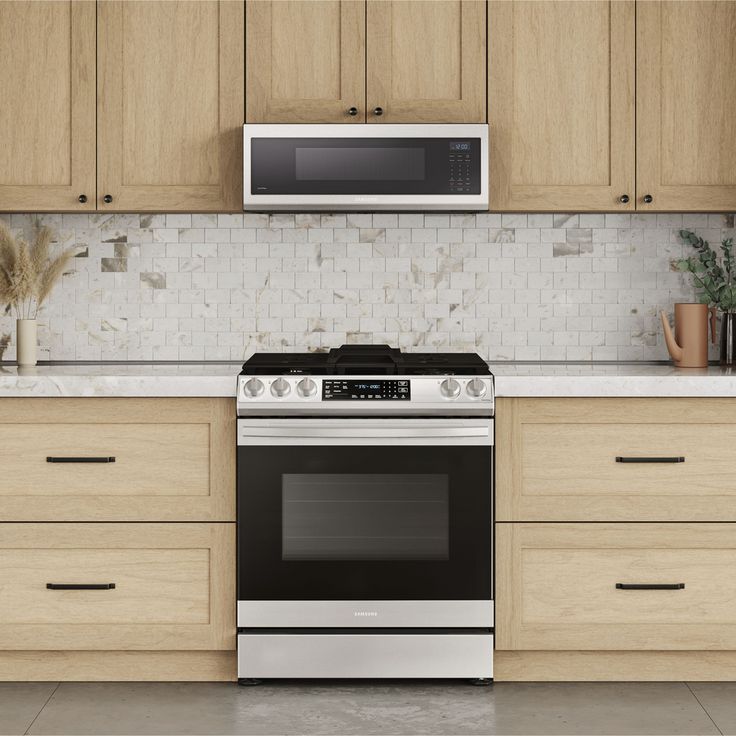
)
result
[(335, 516), (359, 164)]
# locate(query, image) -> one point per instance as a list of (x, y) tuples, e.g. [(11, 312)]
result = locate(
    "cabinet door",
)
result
[(426, 61), (561, 105), (47, 111), (170, 105), (305, 61), (686, 105)]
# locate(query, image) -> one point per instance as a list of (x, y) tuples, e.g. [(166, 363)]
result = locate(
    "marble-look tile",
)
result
[(410, 260)]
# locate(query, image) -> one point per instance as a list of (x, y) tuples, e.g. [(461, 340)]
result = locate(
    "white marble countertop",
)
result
[(611, 379), (120, 379), (512, 379)]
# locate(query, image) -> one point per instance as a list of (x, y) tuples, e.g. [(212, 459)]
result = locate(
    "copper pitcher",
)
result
[(689, 345)]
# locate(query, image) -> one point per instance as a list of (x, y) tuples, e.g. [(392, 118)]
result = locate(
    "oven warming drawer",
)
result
[(368, 614), (369, 655)]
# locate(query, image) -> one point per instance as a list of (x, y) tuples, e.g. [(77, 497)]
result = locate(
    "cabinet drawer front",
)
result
[(117, 459), (628, 460), (616, 586), (116, 586)]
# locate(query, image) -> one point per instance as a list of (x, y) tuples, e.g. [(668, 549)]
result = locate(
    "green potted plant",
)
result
[(714, 274)]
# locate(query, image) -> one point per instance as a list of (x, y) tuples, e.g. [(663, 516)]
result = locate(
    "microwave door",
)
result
[(382, 167)]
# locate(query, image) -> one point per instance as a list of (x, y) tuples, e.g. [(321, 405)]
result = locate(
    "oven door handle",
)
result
[(362, 433)]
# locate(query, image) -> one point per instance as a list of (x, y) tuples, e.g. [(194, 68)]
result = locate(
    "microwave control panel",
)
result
[(374, 390), (460, 177)]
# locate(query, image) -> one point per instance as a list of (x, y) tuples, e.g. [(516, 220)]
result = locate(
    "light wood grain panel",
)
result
[(118, 666), (175, 586), (555, 586), (686, 105), (561, 105), (175, 459), (426, 61), (614, 666), (47, 115), (556, 459), (305, 61), (170, 105)]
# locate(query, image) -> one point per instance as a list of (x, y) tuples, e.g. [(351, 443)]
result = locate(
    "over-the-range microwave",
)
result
[(365, 167)]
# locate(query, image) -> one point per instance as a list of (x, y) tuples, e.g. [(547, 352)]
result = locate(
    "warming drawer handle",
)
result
[(650, 586), (80, 586), (62, 459), (678, 459)]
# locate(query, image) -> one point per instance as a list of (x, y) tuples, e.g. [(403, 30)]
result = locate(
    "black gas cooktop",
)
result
[(365, 360)]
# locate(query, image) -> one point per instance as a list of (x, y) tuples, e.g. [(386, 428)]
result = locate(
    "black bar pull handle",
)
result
[(62, 459), (80, 586), (679, 459), (650, 586)]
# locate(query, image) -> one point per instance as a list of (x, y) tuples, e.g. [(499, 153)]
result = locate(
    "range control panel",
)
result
[(373, 390)]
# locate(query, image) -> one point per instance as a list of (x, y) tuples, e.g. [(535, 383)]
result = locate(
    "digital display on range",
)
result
[(383, 390)]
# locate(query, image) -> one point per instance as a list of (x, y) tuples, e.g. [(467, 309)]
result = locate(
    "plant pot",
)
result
[(26, 342), (728, 338)]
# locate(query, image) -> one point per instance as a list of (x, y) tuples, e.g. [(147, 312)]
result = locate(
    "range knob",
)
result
[(450, 388), (280, 388), (253, 388), (476, 388), (306, 388)]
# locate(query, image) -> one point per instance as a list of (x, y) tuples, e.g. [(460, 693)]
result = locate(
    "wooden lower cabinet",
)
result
[(160, 459), (572, 587), (578, 459), (174, 587)]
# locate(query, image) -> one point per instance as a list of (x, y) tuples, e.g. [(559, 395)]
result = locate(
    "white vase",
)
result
[(26, 342)]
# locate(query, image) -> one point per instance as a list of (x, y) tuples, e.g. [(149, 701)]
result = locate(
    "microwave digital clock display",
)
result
[(383, 390)]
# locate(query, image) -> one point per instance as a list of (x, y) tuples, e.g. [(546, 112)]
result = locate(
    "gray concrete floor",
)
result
[(369, 708)]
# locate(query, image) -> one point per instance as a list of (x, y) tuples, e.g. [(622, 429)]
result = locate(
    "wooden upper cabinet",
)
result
[(305, 61), (170, 105), (47, 111), (686, 105), (561, 105), (426, 61)]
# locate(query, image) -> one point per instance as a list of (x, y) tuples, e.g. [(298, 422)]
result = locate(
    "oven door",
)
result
[(365, 522), (365, 167)]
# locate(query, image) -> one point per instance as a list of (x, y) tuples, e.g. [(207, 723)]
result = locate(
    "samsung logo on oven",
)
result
[(365, 613)]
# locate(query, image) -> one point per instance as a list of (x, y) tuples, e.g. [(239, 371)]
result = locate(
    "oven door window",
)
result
[(371, 522), (348, 516)]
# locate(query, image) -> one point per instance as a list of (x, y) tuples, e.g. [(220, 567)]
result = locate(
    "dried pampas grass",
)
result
[(28, 273)]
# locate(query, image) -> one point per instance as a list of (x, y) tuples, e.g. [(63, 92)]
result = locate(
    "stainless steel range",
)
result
[(365, 501)]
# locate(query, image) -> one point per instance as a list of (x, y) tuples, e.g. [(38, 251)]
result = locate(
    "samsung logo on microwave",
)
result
[(365, 199), (365, 613)]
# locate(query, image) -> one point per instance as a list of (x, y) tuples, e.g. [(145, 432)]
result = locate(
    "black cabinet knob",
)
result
[(624, 198), (107, 198), (353, 111), (82, 198), (648, 198), (378, 111)]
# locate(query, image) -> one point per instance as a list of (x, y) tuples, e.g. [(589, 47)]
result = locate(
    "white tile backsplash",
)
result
[(219, 287)]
